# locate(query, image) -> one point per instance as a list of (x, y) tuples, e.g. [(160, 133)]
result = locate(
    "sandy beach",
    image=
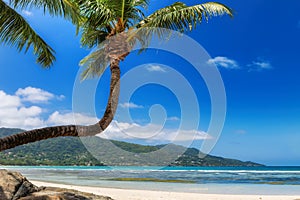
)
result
[(126, 194)]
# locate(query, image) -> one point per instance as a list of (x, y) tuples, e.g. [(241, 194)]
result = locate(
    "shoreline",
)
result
[(132, 194)]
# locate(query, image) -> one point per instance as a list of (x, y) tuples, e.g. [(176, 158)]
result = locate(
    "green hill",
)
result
[(73, 151)]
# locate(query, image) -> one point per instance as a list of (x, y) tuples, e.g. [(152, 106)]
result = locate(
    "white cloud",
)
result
[(8, 101), (27, 13), (36, 95), (58, 118), (263, 65), (260, 65), (227, 63), (30, 111), (151, 133), (60, 97), (224, 62), (14, 114), (173, 119), (155, 68), (130, 105)]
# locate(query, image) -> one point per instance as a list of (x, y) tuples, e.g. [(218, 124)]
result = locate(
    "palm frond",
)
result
[(129, 11), (91, 8), (14, 30), (114, 48), (133, 15), (216, 9), (133, 11), (95, 63), (98, 18), (101, 17), (92, 37), (140, 3), (179, 16), (66, 8)]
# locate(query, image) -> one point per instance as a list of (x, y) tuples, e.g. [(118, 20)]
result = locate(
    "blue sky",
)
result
[(256, 52)]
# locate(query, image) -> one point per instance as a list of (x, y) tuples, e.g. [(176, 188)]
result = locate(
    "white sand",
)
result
[(127, 194)]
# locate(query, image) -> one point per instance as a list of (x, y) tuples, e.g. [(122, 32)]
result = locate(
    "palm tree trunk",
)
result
[(114, 95), (72, 130)]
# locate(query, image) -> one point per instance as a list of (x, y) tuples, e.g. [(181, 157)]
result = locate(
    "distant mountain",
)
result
[(73, 151)]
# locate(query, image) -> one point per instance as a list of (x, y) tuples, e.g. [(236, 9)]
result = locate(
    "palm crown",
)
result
[(106, 18), (98, 19), (109, 17)]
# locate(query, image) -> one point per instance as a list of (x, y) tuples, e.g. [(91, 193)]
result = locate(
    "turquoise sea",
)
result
[(223, 180)]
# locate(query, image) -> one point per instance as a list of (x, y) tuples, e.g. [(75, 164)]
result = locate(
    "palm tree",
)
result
[(111, 25), (15, 30)]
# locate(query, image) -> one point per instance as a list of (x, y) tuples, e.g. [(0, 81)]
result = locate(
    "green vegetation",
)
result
[(71, 151), (135, 148), (15, 30), (60, 152)]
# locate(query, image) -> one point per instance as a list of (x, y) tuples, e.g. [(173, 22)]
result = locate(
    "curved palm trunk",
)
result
[(114, 95), (72, 130), (117, 49)]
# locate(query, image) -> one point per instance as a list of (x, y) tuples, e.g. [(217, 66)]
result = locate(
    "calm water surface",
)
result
[(224, 180)]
